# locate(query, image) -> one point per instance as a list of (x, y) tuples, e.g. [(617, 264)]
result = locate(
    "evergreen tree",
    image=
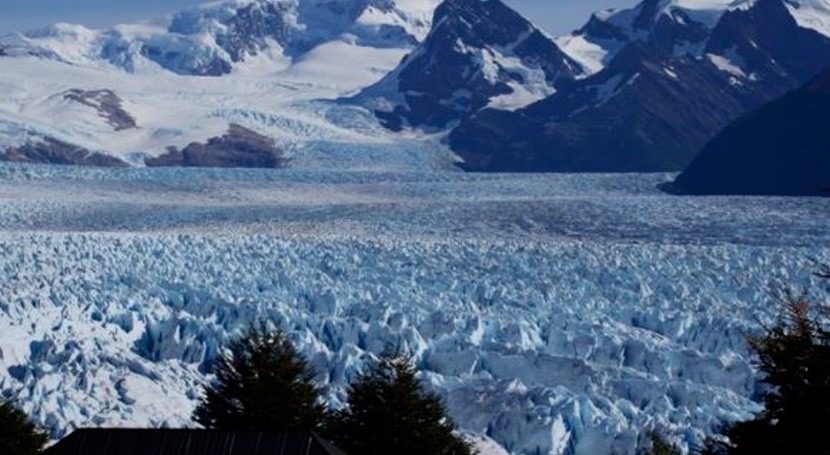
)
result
[(263, 384), (18, 436), (660, 446), (794, 356), (390, 412)]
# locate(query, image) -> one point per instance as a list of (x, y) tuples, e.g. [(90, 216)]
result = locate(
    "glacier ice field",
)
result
[(555, 314)]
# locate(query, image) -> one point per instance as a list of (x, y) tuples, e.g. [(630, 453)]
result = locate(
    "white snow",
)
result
[(191, 39), (706, 12), (725, 64), (594, 54), (174, 110), (275, 92), (343, 66), (521, 96), (533, 86), (555, 313), (812, 14)]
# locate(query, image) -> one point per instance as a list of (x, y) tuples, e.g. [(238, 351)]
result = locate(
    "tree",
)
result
[(794, 356), (263, 384), (660, 446), (18, 435), (390, 412)]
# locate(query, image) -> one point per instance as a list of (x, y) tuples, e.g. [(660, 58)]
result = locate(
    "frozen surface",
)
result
[(557, 314), (295, 107)]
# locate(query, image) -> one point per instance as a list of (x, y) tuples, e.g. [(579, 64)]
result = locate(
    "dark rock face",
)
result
[(783, 148), (239, 147), (52, 151), (664, 31), (650, 109), (769, 40), (108, 105), (629, 118), (457, 69)]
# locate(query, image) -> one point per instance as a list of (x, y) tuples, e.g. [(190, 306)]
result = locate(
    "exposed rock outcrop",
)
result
[(53, 151), (239, 147), (107, 103)]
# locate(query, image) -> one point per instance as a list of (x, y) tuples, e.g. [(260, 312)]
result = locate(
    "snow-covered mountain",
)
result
[(675, 26), (637, 89), (680, 27), (273, 61), (479, 53), (664, 78), (213, 39)]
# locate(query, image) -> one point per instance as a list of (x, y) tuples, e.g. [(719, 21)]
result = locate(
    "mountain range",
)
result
[(651, 86), (465, 82)]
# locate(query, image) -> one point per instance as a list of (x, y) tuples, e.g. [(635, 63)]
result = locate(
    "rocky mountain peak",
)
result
[(479, 53)]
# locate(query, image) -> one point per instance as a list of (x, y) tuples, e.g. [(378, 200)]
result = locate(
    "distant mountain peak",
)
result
[(676, 26), (211, 39), (479, 53)]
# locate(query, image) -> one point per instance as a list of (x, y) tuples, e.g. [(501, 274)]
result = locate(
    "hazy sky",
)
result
[(555, 16)]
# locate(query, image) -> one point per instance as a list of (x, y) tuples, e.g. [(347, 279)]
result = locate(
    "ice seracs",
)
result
[(563, 314)]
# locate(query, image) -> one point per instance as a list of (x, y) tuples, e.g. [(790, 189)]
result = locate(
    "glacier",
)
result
[(555, 314)]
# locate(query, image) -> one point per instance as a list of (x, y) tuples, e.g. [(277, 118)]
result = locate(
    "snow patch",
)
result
[(812, 14), (727, 65)]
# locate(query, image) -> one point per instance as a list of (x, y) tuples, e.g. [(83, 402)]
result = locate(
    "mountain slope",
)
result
[(659, 98), (627, 118), (783, 148), (133, 92), (675, 27), (479, 53), (214, 39), (639, 89)]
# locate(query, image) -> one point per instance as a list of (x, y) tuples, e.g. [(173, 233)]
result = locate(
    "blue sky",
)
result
[(555, 16)]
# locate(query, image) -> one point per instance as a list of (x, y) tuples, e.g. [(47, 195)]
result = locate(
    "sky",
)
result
[(557, 17)]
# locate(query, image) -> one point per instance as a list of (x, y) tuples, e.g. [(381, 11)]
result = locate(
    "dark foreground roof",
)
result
[(190, 442)]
